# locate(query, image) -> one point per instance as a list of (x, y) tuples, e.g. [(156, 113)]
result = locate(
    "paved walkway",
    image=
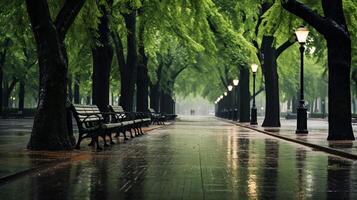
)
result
[(318, 131), (196, 158)]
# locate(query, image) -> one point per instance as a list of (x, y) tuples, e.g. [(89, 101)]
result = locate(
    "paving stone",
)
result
[(195, 158)]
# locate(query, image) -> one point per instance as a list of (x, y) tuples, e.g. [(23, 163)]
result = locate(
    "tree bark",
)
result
[(5, 96), (334, 28), (155, 91), (119, 52), (272, 104), (70, 91), (2, 63), (76, 94), (88, 100), (50, 129), (22, 96), (142, 82), (244, 95), (166, 103), (102, 60), (1, 90), (155, 97), (129, 74), (294, 103)]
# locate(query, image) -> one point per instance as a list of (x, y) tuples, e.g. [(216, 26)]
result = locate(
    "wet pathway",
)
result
[(196, 158)]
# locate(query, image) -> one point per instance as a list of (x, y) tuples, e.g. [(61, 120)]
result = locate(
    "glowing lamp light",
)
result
[(301, 34), (254, 68), (225, 93), (230, 87), (235, 82)]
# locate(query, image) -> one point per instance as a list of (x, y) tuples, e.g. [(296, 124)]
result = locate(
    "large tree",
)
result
[(50, 130), (102, 59), (335, 31)]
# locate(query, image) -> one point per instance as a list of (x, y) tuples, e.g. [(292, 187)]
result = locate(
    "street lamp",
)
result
[(235, 114), (235, 82), (301, 34), (230, 87), (253, 117), (230, 110), (225, 94)]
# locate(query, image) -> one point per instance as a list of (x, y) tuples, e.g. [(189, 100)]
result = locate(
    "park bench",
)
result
[(92, 123), (130, 120), (170, 117), (157, 118)]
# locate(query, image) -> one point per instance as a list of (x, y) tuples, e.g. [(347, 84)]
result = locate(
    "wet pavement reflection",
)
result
[(195, 158)]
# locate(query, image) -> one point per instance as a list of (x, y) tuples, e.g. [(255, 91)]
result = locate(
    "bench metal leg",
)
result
[(110, 137), (104, 140), (80, 138), (124, 133), (97, 143), (131, 133), (141, 131), (136, 131)]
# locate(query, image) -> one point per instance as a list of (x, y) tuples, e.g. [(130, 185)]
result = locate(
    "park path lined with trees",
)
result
[(140, 54)]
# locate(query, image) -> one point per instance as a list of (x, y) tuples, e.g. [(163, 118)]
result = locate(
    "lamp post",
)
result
[(235, 111), (301, 128), (225, 94), (221, 106), (230, 109), (253, 117)]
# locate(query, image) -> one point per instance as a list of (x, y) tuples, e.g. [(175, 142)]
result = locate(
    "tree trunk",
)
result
[(1, 91), (22, 96), (49, 132), (50, 128), (288, 104), (102, 60), (294, 104), (2, 63), (316, 103), (76, 96), (70, 91), (128, 75), (6, 96), (155, 97), (335, 30), (339, 64), (88, 100), (142, 82), (166, 103), (244, 95), (272, 106), (142, 89)]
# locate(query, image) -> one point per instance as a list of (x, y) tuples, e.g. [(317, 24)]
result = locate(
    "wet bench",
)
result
[(157, 118), (130, 120), (92, 123)]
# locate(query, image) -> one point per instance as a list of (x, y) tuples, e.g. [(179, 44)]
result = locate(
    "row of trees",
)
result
[(91, 51)]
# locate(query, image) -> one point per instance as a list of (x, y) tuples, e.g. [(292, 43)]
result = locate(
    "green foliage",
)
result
[(209, 39)]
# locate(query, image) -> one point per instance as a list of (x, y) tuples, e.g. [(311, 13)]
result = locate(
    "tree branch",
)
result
[(12, 86), (320, 23), (257, 93), (178, 72), (284, 46), (119, 50), (66, 16), (222, 78)]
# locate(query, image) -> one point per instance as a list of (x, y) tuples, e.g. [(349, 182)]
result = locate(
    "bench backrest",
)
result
[(152, 110), (117, 109), (86, 115), (120, 114)]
